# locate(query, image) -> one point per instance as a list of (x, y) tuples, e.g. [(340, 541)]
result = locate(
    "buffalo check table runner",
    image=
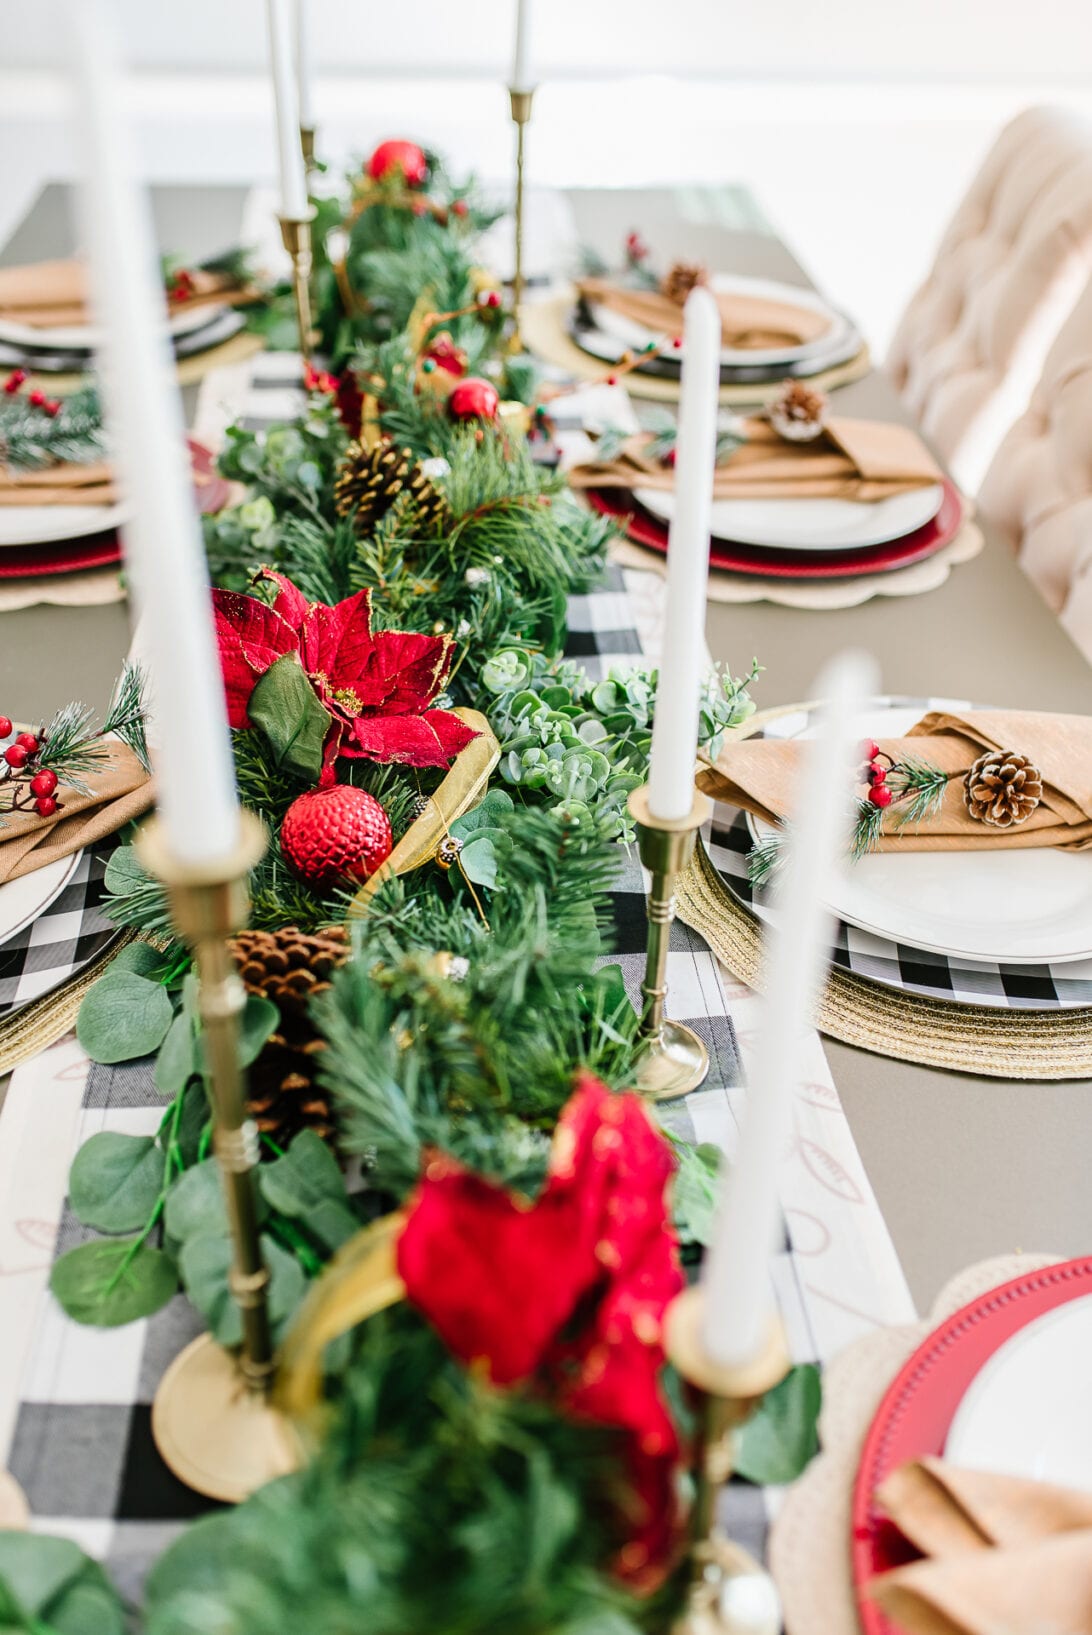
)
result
[(75, 1402)]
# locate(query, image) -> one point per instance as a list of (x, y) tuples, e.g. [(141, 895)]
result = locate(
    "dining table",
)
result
[(963, 1167)]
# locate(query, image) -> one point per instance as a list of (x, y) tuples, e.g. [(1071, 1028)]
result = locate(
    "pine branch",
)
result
[(31, 439)]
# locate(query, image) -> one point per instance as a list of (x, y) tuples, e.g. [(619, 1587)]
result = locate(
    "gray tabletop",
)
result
[(963, 1167)]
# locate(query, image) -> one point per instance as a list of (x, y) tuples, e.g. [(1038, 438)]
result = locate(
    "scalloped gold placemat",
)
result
[(542, 328), (1001, 1044), (41, 1023)]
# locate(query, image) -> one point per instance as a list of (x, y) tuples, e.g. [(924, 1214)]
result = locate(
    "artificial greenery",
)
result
[(917, 790), (32, 436)]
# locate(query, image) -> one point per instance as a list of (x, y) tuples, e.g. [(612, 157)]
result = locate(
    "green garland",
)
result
[(476, 992)]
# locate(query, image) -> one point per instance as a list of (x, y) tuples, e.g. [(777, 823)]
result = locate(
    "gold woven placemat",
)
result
[(1003, 1044), (542, 328), (41, 1023)]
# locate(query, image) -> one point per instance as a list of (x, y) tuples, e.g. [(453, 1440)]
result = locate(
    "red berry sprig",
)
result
[(874, 772), (28, 786)]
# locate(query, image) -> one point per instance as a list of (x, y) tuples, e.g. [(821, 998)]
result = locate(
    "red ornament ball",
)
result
[(332, 834), (474, 399), (16, 756), (28, 742), (390, 158), (880, 795), (38, 398), (44, 782), (45, 806), (5, 727), (14, 381)]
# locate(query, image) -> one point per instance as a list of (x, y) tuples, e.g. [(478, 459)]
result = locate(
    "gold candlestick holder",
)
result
[(296, 233), (673, 1059), (307, 144), (521, 103), (212, 1420), (730, 1593)]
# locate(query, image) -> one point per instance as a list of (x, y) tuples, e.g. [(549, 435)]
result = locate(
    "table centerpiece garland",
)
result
[(391, 595)]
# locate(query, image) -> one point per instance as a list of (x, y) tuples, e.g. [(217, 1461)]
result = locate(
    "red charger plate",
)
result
[(915, 1416), (35, 561), (646, 529)]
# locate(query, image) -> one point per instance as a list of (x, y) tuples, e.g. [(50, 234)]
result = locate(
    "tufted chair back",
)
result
[(972, 340), (1038, 490)]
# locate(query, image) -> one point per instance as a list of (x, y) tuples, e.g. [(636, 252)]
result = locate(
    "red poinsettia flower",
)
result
[(377, 686), (569, 1293)]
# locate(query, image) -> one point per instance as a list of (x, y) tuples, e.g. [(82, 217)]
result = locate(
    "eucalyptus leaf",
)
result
[(205, 1262), (124, 873), (484, 815), (191, 1125), (259, 1019), (139, 957), (115, 1181), (35, 1569), (479, 862), (780, 1438), (123, 1016), (286, 708), (307, 1175), (111, 1282), (177, 1060), (694, 1190), (195, 1204)]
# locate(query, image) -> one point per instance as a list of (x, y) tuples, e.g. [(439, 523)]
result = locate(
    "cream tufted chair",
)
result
[(1038, 490), (972, 340)]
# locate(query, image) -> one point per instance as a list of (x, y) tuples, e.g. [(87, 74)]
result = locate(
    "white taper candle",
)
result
[(163, 548), (675, 727), (303, 65), (521, 60), (286, 97), (737, 1271)]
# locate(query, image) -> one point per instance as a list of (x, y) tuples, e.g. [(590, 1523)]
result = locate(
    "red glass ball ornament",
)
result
[(28, 742), (16, 756), (43, 782), (396, 156), (474, 399), (5, 727), (330, 835), (45, 806)]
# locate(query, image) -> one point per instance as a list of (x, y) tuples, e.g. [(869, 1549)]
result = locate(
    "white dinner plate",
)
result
[(22, 900), (44, 524), (1019, 907), (1028, 1411), (809, 524), (85, 337), (633, 334)]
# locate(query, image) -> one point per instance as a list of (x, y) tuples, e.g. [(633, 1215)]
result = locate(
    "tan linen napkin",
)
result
[(864, 460), (760, 776), (747, 322), (120, 791), (49, 294), (63, 484), (1004, 1556)]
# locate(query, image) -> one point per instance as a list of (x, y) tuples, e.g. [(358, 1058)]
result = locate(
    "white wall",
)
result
[(857, 122)]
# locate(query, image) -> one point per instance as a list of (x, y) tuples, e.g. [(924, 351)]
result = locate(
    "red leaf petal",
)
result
[(431, 739), (291, 603), (251, 637), (337, 641), (406, 671)]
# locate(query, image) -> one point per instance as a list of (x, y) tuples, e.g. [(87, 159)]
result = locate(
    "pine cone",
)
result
[(290, 967), (371, 480), (1002, 789), (797, 412), (681, 278)]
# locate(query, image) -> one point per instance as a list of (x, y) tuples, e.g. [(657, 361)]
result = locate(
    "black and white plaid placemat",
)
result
[(1065, 986), (65, 937)]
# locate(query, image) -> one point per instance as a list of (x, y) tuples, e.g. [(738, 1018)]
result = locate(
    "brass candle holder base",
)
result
[(307, 144), (211, 1419), (673, 1060), (214, 1432), (521, 104), (730, 1593), (296, 233)]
